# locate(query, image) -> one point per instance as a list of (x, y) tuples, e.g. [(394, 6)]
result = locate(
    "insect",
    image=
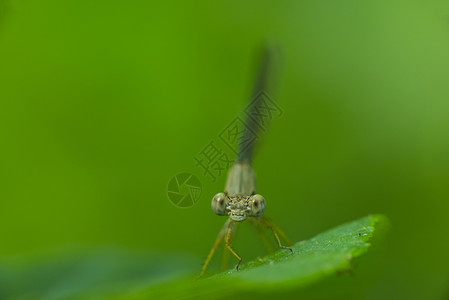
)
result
[(240, 200)]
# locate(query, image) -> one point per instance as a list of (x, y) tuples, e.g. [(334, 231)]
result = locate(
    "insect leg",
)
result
[(262, 234), (268, 223), (225, 260), (229, 234), (214, 248), (280, 231)]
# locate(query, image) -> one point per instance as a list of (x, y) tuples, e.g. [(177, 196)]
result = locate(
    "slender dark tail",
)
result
[(253, 124)]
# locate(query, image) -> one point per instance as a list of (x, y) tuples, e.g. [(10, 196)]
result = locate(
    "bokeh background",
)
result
[(102, 102)]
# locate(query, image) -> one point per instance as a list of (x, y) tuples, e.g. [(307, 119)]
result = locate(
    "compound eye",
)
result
[(257, 205), (219, 203)]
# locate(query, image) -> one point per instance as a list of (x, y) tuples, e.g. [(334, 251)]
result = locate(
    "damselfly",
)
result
[(240, 200)]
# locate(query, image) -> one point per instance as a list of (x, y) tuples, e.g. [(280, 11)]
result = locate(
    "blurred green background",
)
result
[(102, 102)]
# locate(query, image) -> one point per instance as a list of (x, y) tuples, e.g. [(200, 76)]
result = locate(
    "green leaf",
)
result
[(87, 273), (117, 273), (325, 255)]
